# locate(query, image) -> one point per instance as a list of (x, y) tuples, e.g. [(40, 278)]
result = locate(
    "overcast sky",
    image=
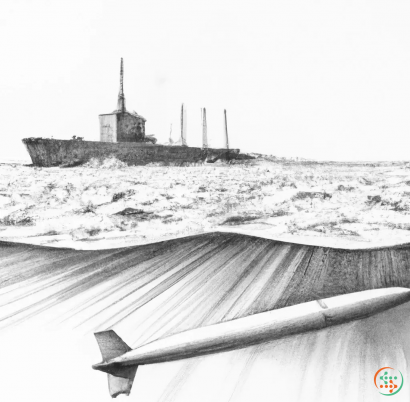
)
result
[(314, 79)]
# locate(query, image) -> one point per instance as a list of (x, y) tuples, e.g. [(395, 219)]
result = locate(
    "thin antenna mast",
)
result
[(183, 125), (121, 97), (226, 130), (204, 130)]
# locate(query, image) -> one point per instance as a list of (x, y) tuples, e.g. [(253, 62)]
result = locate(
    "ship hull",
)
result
[(51, 152)]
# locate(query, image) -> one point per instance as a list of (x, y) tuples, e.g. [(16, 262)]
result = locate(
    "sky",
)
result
[(322, 80)]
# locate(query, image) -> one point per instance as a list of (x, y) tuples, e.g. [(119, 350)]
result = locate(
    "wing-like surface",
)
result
[(121, 385), (111, 345)]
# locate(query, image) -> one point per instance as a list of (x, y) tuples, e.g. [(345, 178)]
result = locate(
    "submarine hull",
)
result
[(53, 152)]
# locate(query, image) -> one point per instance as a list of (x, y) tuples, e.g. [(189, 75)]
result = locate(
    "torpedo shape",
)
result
[(121, 362)]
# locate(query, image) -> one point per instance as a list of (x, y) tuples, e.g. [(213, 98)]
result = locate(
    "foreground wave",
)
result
[(192, 281)]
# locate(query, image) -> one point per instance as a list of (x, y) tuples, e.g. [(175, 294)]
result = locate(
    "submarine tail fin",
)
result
[(120, 378), (111, 345), (123, 384)]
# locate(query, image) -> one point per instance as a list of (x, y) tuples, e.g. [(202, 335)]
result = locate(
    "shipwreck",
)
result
[(122, 135)]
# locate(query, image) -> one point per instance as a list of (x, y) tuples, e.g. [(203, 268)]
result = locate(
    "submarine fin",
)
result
[(122, 385), (111, 345)]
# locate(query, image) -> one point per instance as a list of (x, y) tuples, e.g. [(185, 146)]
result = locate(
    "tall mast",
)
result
[(204, 130), (183, 125), (121, 97), (226, 130)]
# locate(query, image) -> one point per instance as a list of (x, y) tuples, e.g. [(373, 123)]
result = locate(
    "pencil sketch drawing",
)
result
[(248, 239), (122, 135)]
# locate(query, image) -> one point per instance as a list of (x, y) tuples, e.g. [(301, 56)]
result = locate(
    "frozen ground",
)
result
[(111, 204)]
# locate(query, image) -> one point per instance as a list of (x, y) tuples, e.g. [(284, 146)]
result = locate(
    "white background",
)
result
[(314, 79)]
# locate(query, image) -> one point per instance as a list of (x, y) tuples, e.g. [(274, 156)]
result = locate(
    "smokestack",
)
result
[(183, 125), (204, 130), (226, 130)]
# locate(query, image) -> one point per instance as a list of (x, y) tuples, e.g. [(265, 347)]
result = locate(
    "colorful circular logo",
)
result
[(388, 381)]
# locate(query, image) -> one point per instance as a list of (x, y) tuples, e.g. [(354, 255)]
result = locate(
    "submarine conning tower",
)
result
[(121, 125)]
